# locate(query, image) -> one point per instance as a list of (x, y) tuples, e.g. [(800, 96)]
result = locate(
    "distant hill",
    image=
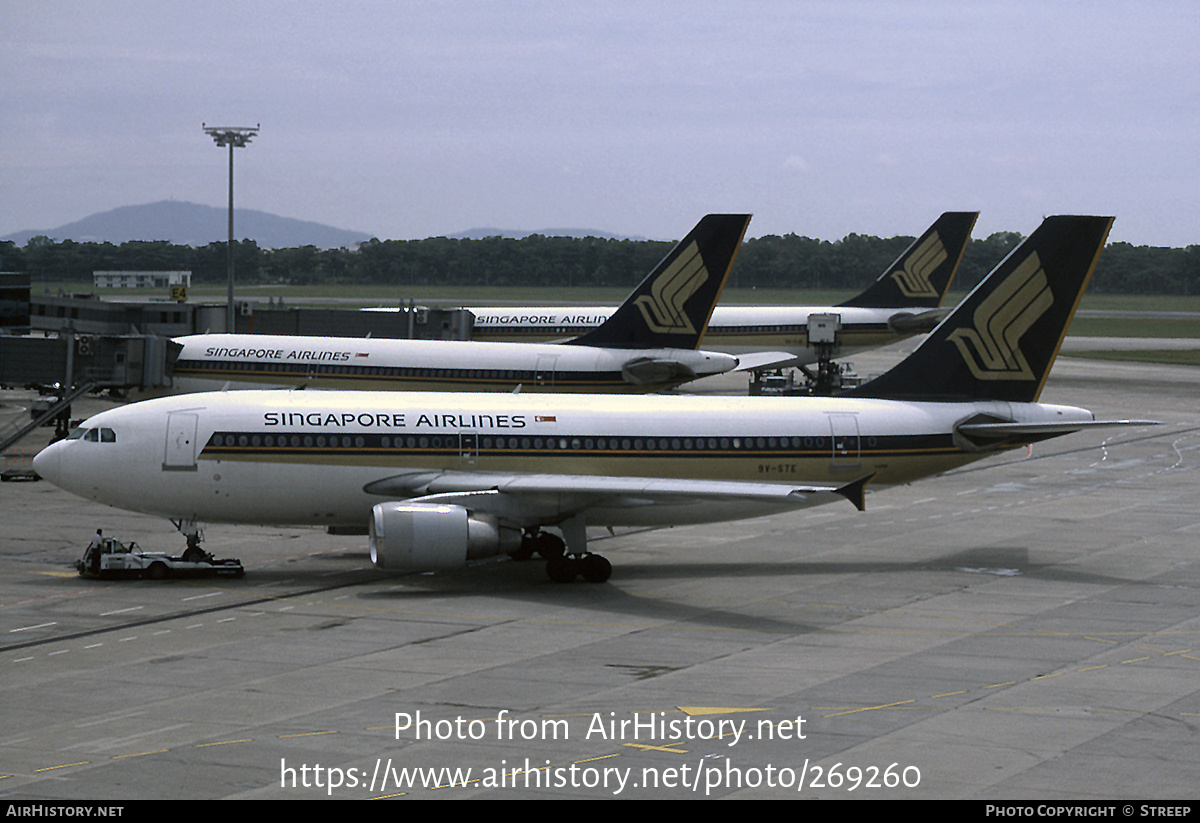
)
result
[(190, 224)]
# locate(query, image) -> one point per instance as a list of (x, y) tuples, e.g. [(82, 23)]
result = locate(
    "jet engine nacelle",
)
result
[(426, 536)]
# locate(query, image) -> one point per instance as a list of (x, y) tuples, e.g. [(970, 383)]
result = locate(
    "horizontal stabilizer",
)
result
[(990, 434), (909, 323), (760, 360)]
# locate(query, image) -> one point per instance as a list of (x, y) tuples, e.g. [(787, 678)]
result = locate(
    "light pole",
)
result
[(235, 137)]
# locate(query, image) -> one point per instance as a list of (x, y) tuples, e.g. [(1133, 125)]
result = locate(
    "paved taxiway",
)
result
[(1025, 628)]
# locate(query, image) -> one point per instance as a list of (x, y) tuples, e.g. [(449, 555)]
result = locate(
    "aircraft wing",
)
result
[(575, 492)]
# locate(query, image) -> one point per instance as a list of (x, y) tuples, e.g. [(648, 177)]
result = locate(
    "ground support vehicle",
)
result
[(114, 559)]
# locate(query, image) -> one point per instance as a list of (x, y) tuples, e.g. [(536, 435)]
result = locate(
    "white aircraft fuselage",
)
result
[(209, 361), (326, 458), (731, 329), (649, 344)]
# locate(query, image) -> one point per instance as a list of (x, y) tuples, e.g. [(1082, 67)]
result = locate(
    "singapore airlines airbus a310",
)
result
[(648, 344), (441, 479)]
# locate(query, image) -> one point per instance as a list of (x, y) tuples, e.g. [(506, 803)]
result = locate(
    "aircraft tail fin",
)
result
[(921, 275), (1000, 341), (672, 306)]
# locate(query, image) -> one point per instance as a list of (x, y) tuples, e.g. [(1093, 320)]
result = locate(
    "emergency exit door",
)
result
[(845, 437)]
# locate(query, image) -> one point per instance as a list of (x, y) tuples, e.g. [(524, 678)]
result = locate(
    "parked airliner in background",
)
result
[(444, 478), (648, 344), (903, 302)]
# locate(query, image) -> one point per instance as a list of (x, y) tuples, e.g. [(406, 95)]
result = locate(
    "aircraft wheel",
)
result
[(562, 569), (595, 569), (548, 545), (194, 554)]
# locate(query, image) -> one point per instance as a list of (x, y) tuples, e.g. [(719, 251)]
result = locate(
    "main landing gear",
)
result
[(566, 567), (566, 559)]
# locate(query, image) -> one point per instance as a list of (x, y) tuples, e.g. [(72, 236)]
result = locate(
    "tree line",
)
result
[(788, 261)]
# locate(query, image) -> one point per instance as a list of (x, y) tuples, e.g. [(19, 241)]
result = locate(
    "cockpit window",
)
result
[(102, 435)]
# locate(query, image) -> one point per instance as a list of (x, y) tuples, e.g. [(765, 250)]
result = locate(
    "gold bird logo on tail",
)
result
[(913, 280), (662, 308), (991, 349)]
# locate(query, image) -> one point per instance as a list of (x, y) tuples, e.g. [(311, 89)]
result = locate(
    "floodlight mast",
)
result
[(234, 137)]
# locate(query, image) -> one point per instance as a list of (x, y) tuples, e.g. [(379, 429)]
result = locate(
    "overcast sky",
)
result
[(411, 119)]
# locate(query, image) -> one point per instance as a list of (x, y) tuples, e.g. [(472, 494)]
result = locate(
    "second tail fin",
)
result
[(672, 306), (1000, 341)]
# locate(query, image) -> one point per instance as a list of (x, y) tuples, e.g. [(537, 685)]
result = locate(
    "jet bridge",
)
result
[(69, 365)]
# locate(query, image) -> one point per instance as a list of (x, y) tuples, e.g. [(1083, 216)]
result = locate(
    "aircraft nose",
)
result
[(46, 463)]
